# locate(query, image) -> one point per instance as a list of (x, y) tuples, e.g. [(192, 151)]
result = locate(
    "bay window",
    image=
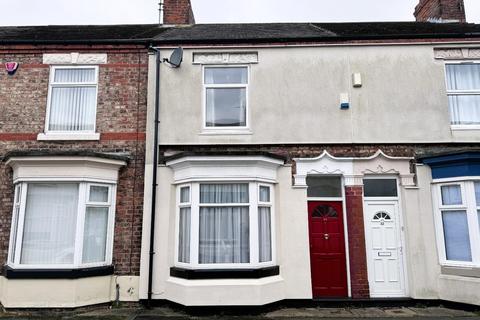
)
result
[(224, 225), (458, 228), (65, 224)]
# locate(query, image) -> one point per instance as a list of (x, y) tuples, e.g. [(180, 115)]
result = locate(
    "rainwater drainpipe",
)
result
[(154, 173)]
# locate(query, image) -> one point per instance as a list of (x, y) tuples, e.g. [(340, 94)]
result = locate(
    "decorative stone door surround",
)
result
[(353, 170)]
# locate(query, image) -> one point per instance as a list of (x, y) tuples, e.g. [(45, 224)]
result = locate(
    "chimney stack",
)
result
[(440, 11), (178, 12)]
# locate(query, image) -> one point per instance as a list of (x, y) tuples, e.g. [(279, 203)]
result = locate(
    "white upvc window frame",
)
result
[(70, 135), (459, 92), (468, 205), (253, 205), (16, 235), (225, 129)]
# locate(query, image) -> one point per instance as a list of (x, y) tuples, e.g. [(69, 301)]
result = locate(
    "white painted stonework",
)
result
[(225, 57), (224, 168), (353, 169), (74, 58), (457, 53), (64, 168)]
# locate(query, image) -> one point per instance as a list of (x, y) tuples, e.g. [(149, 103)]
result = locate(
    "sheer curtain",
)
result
[(451, 195), (464, 109), (224, 231), (264, 234), (72, 107), (50, 223), (184, 236), (457, 238), (95, 234)]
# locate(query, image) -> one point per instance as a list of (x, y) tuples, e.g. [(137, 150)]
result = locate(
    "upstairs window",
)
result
[(225, 97), (463, 89), (72, 100)]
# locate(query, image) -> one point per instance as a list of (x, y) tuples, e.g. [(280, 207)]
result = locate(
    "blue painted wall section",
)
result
[(454, 165)]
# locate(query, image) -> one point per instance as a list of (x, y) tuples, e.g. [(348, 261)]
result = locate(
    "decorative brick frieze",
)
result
[(457, 53)]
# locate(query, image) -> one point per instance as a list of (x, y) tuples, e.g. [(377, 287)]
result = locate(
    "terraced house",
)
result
[(241, 164)]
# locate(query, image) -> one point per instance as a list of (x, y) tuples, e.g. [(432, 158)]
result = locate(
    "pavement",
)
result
[(108, 313)]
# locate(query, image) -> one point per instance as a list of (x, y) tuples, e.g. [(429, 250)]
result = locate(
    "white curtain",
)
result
[(72, 108), (451, 195), (457, 239), (184, 236), (226, 107), (464, 109), (224, 235), (50, 223), (477, 193), (95, 234), (264, 234), (224, 193), (224, 231)]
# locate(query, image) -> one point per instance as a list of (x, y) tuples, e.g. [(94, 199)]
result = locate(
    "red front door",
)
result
[(327, 249)]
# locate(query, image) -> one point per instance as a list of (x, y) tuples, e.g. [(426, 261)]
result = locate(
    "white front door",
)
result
[(384, 249)]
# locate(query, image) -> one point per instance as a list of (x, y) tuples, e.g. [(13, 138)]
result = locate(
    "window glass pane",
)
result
[(98, 194), (226, 107), (264, 234), (323, 186), (457, 239), (380, 187), (72, 109), (464, 109), (16, 211), (184, 236), (50, 222), (224, 193), (224, 235), (451, 195), (226, 75), (463, 76), (74, 75), (95, 235), (185, 194), (477, 192), (264, 194)]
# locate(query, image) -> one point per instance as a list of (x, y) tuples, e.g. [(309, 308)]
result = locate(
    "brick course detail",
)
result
[(120, 120)]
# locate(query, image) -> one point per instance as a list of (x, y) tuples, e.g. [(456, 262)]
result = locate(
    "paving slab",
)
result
[(368, 312)]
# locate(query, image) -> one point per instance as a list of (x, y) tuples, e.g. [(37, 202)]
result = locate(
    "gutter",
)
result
[(154, 178)]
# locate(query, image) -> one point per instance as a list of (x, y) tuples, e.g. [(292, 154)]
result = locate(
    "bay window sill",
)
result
[(19, 273), (201, 274), (68, 136)]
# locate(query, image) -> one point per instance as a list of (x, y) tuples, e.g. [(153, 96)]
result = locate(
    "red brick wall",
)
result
[(121, 117), (440, 9), (177, 12), (356, 242)]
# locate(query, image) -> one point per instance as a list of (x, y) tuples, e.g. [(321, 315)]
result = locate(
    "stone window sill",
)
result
[(198, 274)]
